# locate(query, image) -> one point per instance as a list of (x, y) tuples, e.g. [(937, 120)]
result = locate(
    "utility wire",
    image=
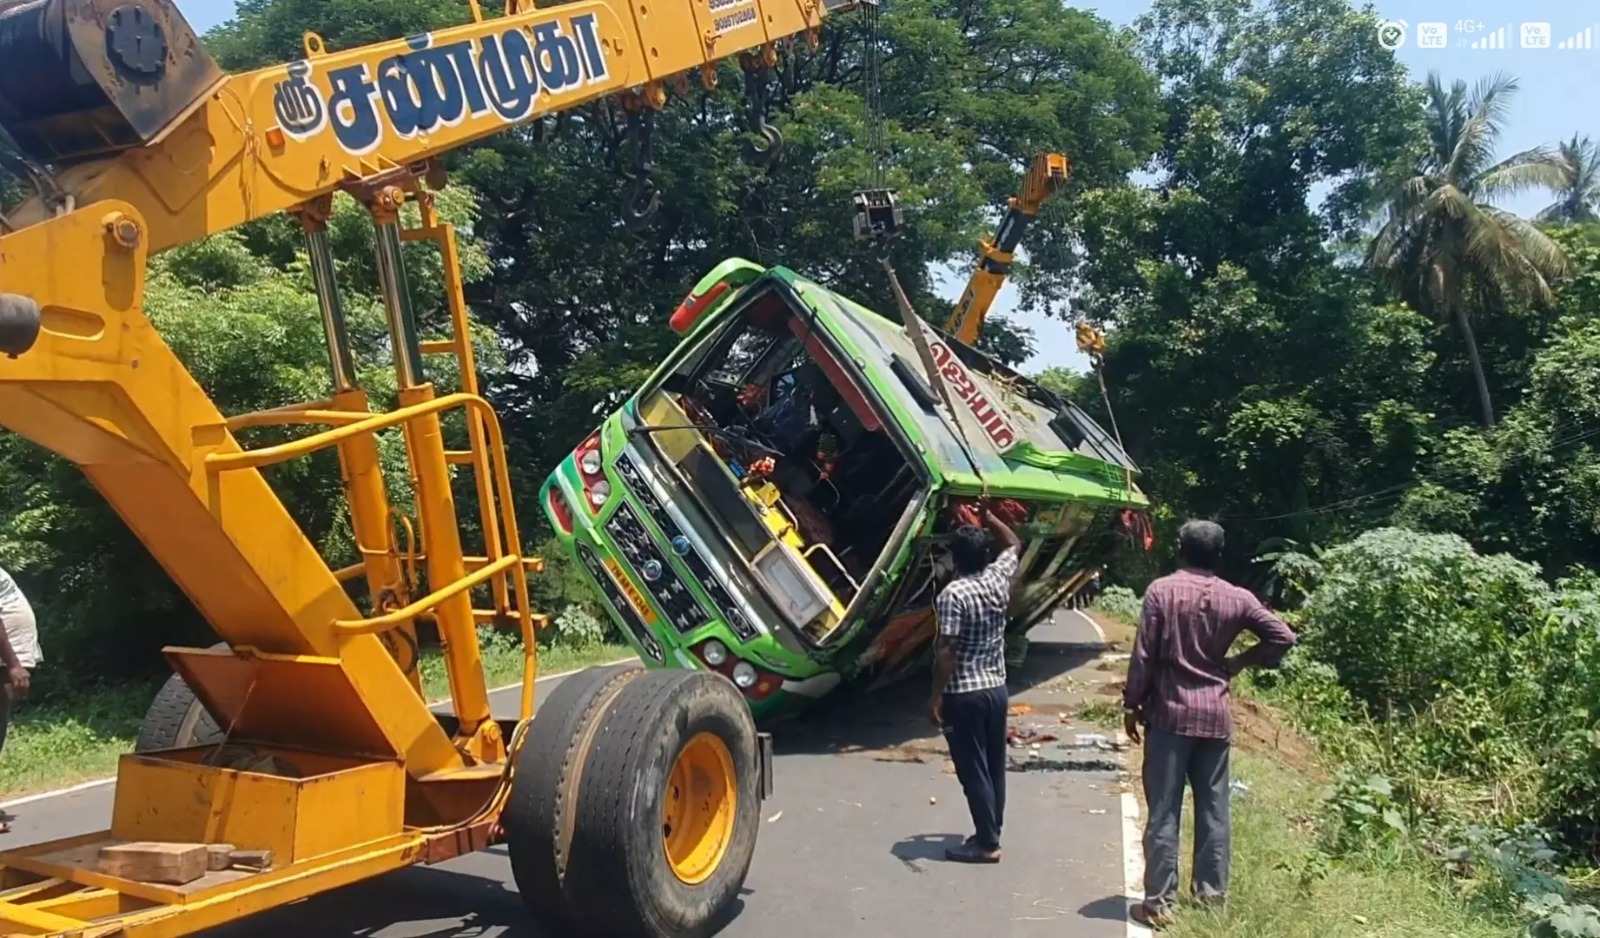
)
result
[(1393, 492)]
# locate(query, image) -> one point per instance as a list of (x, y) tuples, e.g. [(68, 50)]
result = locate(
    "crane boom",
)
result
[(1045, 177), (265, 141)]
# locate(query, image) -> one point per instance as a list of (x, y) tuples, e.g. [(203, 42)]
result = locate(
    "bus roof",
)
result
[(1016, 443)]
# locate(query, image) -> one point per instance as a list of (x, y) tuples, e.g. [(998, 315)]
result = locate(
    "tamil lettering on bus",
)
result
[(991, 416)]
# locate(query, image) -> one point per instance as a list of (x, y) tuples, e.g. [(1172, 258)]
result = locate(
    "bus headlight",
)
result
[(589, 462), (599, 491), (715, 653), (744, 675)]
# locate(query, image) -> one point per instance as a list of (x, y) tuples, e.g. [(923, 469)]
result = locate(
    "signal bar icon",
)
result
[(1494, 40), (1583, 39)]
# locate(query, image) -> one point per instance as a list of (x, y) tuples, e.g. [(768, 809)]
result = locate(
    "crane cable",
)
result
[(1092, 343), (874, 126), (873, 118)]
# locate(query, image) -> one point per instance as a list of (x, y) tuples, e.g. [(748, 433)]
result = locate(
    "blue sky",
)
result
[(1555, 99)]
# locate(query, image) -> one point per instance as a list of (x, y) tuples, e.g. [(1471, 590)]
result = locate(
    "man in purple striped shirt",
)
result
[(1177, 692)]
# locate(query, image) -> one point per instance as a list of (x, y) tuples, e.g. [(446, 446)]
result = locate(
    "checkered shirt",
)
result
[(972, 610)]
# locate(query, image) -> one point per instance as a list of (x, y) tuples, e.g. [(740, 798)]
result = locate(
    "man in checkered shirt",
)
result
[(969, 678), (1177, 700)]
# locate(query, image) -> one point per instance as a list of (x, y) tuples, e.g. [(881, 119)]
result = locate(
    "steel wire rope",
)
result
[(1398, 490)]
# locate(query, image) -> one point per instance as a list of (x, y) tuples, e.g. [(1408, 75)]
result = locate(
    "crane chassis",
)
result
[(331, 761)]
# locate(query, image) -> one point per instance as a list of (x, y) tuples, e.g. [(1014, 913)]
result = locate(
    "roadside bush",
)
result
[(1119, 603), (1404, 617), (1461, 694), (578, 628)]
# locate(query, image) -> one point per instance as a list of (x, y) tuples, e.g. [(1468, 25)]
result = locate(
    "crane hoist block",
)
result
[(89, 78), (878, 216)]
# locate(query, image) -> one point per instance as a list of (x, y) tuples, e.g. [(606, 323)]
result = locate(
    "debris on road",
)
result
[(1018, 710), (774, 817), (1030, 736)]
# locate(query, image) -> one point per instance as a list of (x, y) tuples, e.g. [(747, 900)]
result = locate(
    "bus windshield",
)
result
[(786, 450)]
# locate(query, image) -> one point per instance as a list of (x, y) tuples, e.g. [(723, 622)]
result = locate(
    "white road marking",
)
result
[(1132, 863), (102, 782), (1132, 841), (1098, 631)]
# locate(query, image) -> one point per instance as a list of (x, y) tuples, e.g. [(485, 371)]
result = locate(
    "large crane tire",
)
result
[(176, 719), (659, 807), (549, 757), (669, 809)]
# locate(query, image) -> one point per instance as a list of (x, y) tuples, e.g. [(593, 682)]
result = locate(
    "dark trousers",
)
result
[(1170, 761), (975, 730)]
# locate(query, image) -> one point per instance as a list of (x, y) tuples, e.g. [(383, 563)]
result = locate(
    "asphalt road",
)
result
[(851, 844)]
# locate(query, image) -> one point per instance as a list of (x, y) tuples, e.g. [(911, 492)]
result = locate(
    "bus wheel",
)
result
[(664, 807), (176, 719)]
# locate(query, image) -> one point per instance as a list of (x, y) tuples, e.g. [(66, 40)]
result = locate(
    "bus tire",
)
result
[(668, 809), (536, 820), (176, 718)]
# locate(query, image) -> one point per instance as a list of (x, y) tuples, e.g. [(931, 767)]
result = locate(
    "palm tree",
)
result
[(1578, 196), (1442, 242)]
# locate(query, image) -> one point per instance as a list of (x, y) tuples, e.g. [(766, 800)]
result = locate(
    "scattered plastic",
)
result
[(1031, 735), (932, 800), (1239, 788), (1097, 810), (1020, 709), (774, 817), (1096, 740)]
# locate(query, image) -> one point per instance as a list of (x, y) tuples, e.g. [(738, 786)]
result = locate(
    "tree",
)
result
[(1442, 243), (1578, 195)]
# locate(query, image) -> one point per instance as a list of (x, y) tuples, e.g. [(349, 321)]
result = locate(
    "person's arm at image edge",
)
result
[(18, 675)]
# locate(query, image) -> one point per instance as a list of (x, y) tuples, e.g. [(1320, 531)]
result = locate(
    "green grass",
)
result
[(55, 743), (1106, 713), (502, 662), (1282, 886)]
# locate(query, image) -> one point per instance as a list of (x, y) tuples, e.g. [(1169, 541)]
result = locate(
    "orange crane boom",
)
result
[(1044, 179)]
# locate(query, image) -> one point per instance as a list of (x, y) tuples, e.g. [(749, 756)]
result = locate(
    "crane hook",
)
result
[(763, 155), (643, 202)]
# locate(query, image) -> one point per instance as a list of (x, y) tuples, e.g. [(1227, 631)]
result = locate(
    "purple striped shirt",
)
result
[(1179, 671)]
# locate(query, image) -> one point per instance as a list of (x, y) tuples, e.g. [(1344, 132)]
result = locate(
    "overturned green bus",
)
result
[(775, 501)]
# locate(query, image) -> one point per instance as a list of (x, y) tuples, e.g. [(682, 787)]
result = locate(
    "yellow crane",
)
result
[(1044, 179), (630, 804)]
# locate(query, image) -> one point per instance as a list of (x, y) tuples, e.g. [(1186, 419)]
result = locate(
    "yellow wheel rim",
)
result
[(697, 815)]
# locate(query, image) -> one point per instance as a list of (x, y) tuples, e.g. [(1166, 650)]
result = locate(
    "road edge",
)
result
[(102, 782), (1132, 849)]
